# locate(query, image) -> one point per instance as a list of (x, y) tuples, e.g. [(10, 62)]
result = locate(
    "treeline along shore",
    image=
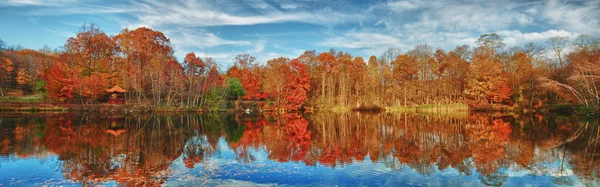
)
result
[(136, 70)]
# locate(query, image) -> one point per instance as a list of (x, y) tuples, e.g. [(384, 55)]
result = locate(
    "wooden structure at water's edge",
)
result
[(116, 95)]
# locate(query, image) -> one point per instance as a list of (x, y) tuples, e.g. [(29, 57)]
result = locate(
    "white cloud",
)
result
[(201, 39), (197, 13), (376, 43), (368, 42), (475, 17), (224, 59), (453, 16), (447, 24), (403, 5), (584, 17), (262, 58), (221, 56), (532, 10), (259, 4), (360, 40), (189, 40), (259, 46), (290, 5), (517, 38)]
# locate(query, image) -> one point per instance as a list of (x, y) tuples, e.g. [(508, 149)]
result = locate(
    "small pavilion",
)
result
[(116, 95)]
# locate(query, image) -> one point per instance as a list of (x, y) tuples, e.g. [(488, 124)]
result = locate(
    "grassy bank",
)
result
[(429, 108), (22, 99), (30, 103), (455, 109), (35, 103), (36, 109)]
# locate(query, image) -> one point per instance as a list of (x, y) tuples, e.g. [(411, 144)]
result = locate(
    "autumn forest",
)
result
[(489, 76)]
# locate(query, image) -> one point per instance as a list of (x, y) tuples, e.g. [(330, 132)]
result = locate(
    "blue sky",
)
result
[(266, 28)]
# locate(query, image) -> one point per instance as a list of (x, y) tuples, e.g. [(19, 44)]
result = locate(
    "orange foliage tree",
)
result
[(329, 65), (145, 51), (6, 69), (174, 81), (89, 59), (275, 78), (60, 82), (487, 82), (194, 67)]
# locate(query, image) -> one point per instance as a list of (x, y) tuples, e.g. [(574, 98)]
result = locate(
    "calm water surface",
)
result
[(350, 149)]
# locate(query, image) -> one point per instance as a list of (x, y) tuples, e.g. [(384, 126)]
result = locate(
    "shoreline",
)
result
[(459, 109)]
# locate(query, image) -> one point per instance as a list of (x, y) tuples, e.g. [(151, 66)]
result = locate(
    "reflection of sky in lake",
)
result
[(223, 169), (32, 171)]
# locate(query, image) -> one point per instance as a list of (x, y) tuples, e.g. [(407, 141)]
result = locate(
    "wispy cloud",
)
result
[(65, 34), (259, 46), (290, 5), (516, 38), (401, 6), (584, 16), (36, 2), (368, 42), (271, 28), (458, 16), (187, 40), (447, 24), (71, 24), (199, 38), (79, 9), (225, 56), (191, 13)]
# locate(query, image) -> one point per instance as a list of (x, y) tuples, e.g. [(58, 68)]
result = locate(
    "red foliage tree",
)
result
[(297, 86), (249, 75), (213, 79)]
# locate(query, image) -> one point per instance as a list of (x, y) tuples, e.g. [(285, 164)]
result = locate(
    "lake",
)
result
[(350, 149)]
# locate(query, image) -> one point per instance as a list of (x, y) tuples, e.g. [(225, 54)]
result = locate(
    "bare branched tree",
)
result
[(558, 45)]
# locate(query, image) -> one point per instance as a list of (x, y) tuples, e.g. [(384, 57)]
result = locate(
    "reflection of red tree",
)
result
[(329, 155), (300, 137), (408, 152), (251, 138), (489, 144)]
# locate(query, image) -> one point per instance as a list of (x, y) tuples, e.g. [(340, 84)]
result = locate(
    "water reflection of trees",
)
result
[(427, 143), (140, 149)]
